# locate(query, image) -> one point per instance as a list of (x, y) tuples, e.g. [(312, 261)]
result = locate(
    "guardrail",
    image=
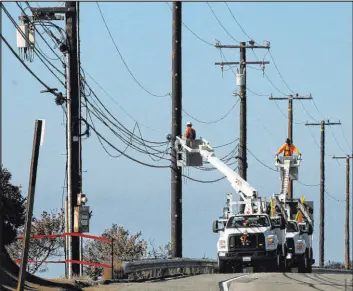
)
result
[(166, 267)]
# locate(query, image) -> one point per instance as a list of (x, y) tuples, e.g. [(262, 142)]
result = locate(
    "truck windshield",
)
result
[(292, 227), (248, 221)]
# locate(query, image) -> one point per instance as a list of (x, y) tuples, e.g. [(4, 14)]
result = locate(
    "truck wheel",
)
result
[(303, 266), (222, 266)]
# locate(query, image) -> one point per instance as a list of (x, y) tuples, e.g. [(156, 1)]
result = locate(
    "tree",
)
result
[(41, 249), (127, 247), (161, 252), (13, 206)]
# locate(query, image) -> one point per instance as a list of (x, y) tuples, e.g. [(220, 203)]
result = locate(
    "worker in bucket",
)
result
[(288, 148), (190, 133)]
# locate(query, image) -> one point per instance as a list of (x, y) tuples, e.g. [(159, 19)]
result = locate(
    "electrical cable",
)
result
[(40, 34), (349, 146), (120, 106), (35, 50), (127, 67), (197, 36), (220, 23), (124, 154), (129, 143), (262, 163), (27, 68), (214, 121), (237, 21), (125, 130)]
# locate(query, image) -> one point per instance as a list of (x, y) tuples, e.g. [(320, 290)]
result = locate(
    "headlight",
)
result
[(222, 244), (270, 241), (300, 245)]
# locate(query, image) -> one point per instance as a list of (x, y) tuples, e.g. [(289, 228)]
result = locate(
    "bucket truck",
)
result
[(298, 217), (245, 239)]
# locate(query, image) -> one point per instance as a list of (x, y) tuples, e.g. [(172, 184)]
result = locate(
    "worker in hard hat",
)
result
[(288, 148), (190, 133)]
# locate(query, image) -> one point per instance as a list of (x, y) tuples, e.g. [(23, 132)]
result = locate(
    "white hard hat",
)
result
[(188, 123)]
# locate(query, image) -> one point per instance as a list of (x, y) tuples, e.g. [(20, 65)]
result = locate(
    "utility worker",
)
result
[(190, 133), (288, 148)]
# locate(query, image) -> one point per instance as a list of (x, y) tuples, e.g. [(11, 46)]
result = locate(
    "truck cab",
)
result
[(248, 240)]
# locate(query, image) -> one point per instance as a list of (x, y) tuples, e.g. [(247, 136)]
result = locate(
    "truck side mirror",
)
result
[(215, 226)]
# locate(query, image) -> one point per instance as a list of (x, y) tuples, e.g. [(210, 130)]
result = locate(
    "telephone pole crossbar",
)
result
[(290, 99), (322, 124), (241, 82), (237, 63), (346, 227)]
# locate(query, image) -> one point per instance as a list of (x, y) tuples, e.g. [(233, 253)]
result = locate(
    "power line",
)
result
[(220, 23), (120, 106), (196, 35), (214, 121), (124, 154), (126, 66), (27, 68), (262, 163), (237, 21), (36, 51)]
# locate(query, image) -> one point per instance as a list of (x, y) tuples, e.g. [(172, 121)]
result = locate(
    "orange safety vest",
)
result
[(190, 133), (288, 150)]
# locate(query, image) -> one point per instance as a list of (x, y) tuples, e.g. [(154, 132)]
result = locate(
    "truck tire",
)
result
[(222, 267), (304, 264)]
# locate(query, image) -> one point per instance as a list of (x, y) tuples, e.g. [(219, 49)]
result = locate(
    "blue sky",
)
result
[(312, 46)]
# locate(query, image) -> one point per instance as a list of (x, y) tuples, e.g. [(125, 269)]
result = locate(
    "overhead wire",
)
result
[(35, 50), (140, 140), (262, 163), (124, 154), (220, 23), (40, 34), (26, 67), (122, 58), (214, 121), (117, 103), (196, 35)]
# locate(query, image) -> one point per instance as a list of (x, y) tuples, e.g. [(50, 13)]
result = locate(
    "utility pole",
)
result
[(241, 82), (290, 99), (346, 227), (2, 234), (73, 136), (73, 125), (322, 125), (38, 135), (176, 185)]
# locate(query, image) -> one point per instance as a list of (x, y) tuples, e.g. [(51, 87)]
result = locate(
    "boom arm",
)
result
[(202, 147)]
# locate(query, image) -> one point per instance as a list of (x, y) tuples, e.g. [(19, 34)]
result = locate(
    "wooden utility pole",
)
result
[(290, 99), (241, 81), (322, 188), (346, 226), (2, 234), (30, 202), (176, 185), (73, 132)]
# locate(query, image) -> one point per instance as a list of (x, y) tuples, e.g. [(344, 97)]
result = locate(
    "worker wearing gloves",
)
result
[(190, 133)]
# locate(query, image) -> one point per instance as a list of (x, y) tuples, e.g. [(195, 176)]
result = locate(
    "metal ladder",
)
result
[(285, 180), (305, 212), (280, 206)]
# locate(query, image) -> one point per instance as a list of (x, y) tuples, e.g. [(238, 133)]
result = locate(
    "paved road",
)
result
[(292, 282), (249, 282)]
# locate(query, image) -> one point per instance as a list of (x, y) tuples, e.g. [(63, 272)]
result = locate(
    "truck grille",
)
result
[(256, 241)]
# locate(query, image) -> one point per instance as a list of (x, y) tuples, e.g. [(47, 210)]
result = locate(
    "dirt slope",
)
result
[(9, 277)]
